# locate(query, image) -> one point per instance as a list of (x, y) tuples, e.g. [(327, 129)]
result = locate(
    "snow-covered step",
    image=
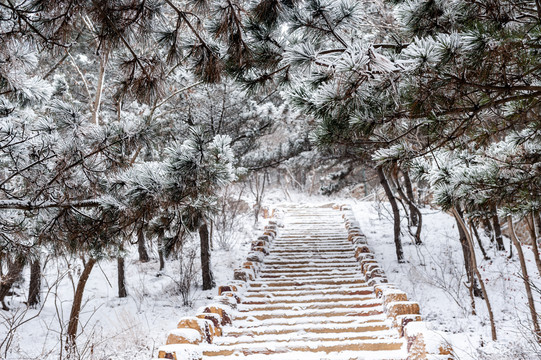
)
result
[(307, 262), (342, 303), (321, 290), (290, 250), (253, 323), (301, 313), (308, 270), (301, 355), (300, 265), (323, 257), (299, 249), (307, 275), (336, 327), (303, 283), (309, 243), (300, 299), (306, 346), (307, 234), (329, 335)]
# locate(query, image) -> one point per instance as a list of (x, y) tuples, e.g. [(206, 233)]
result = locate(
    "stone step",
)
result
[(308, 321), (311, 244), (300, 299), (352, 326), (302, 335), (307, 275), (313, 256), (307, 282), (270, 293), (302, 251), (318, 279), (308, 270), (307, 262), (290, 314), (312, 248), (307, 234), (306, 346), (342, 355), (343, 303)]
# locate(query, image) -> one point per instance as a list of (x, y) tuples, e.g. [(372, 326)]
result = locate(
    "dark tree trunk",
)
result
[(161, 250), (537, 216), (461, 224), (497, 230), (414, 211), (476, 233), (121, 270), (76, 307), (535, 249), (15, 270), (489, 231), (141, 246), (396, 214), (211, 236), (467, 252), (35, 283), (418, 218), (208, 278)]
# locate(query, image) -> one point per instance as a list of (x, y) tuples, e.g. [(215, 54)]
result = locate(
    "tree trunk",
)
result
[(99, 88), (161, 251), (414, 211), (35, 283), (489, 231), (476, 233), (15, 270), (537, 216), (122, 293), (467, 253), (535, 249), (141, 246), (76, 307), (474, 264), (418, 218), (526, 279), (208, 278), (497, 230), (396, 214)]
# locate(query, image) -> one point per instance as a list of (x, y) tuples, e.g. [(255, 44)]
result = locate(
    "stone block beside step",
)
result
[(227, 288), (225, 312), (215, 319), (184, 336), (397, 308)]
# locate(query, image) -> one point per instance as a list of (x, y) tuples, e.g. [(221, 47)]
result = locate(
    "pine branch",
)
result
[(30, 205)]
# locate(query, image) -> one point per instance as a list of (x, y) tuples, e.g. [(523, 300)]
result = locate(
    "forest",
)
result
[(148, 139)]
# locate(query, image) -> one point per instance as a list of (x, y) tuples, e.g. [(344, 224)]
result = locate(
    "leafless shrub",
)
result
[(227, 222)]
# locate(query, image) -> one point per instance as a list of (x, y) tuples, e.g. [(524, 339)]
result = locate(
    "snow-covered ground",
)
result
[(434, 276), (136, 326), (114, 328)]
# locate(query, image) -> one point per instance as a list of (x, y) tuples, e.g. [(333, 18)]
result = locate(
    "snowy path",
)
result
[(309, 300)]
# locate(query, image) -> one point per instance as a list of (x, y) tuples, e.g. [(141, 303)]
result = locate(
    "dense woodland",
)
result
[(124, 122)]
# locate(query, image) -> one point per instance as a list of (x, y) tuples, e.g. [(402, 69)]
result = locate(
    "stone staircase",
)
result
[(309, 290)]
